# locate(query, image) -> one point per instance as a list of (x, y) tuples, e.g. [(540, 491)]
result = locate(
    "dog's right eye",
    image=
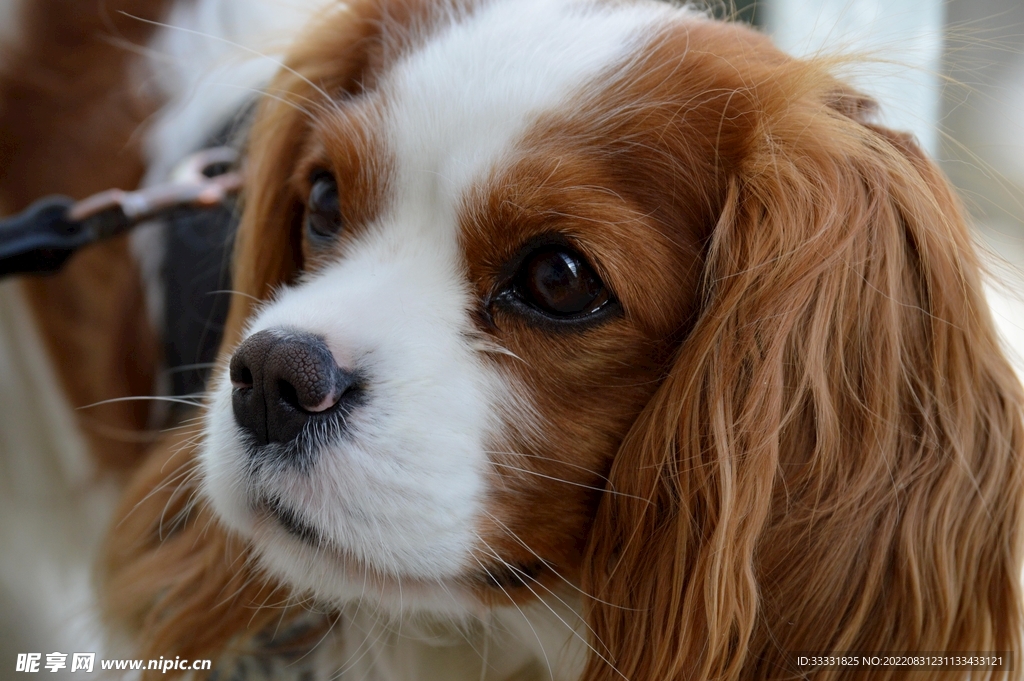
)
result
[(323, 210)]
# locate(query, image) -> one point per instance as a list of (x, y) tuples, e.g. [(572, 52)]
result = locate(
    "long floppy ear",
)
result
[(833, 462)]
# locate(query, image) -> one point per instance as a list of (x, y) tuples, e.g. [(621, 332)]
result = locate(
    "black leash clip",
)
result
[(40, 239)]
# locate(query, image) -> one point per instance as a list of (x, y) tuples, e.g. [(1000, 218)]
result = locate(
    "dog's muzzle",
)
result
[(283, 380)]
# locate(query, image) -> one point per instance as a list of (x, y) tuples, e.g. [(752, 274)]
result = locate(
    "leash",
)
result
[(40, 239)]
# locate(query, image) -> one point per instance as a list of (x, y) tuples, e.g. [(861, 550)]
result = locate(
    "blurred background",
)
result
[(982, 109), (951, 71)]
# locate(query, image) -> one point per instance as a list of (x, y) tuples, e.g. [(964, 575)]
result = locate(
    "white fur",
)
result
[(52, 509)]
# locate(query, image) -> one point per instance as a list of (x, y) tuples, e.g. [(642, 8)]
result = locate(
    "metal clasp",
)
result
[(203, 180)]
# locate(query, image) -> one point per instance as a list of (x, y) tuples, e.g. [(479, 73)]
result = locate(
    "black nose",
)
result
[(283, 379)]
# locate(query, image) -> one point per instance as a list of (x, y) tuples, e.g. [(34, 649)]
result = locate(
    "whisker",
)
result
[(553, 612), (162, 486), (190, 367), (570, 482), (491, 347), (153, 398), (547, 662), (366, 646), (277, 62), (550, 567), (334, 623), (552, 460), (232, 292), (268, 95)]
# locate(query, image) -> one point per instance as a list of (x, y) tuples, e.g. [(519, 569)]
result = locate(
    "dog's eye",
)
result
[(323, 211), (558, 282)]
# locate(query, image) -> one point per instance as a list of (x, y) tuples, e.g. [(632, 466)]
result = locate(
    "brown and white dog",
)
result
[(573, 339)]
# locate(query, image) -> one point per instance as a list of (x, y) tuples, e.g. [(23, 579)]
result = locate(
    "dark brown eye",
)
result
[(323, 210), (558, 282)]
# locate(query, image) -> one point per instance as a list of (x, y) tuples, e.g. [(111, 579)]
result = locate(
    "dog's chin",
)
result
[(298, 553), (276, 511)]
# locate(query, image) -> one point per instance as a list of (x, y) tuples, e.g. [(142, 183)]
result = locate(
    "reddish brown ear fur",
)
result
[(834, 461)]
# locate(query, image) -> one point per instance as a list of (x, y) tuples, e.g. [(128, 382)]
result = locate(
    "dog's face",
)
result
[(603, 296), (431, 407)]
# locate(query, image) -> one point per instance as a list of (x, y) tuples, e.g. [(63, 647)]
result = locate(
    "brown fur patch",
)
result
[(68, 124), (636, 185)]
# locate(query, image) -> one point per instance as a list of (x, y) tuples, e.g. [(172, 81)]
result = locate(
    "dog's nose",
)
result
[(282, 379)]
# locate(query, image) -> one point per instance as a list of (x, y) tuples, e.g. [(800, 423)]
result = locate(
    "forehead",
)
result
[(452, 90), (468, 94)]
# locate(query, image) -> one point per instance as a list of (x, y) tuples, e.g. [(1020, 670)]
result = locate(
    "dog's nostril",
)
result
[(313, 401), (241, 378), (289, 395), (293, 378)]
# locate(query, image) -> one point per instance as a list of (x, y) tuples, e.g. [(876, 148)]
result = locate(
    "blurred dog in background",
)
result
[(70, 109)]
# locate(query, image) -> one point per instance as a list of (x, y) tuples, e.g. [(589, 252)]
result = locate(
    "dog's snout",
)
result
[(282, 379)]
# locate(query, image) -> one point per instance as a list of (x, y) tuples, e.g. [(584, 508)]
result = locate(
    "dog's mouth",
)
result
[(291, 521), (504, 576)]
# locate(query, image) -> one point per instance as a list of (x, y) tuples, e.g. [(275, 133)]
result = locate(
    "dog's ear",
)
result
[(833, 462)]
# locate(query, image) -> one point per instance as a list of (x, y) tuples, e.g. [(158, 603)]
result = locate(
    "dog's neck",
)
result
[(543, 640)]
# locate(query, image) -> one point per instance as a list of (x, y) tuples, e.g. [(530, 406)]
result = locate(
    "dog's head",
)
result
[(613, 295), (476, 267)]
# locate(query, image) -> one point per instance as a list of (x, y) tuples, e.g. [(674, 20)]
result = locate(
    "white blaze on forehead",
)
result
[(459, 103)]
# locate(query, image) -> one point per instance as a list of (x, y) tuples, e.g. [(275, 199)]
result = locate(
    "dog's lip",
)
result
[(290, 520), (506, 577)]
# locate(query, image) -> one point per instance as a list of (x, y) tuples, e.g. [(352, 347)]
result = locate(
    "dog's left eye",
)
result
[(323, 210)]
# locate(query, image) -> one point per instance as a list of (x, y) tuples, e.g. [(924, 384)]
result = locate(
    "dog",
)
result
[(76, 348), (579, 340)]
